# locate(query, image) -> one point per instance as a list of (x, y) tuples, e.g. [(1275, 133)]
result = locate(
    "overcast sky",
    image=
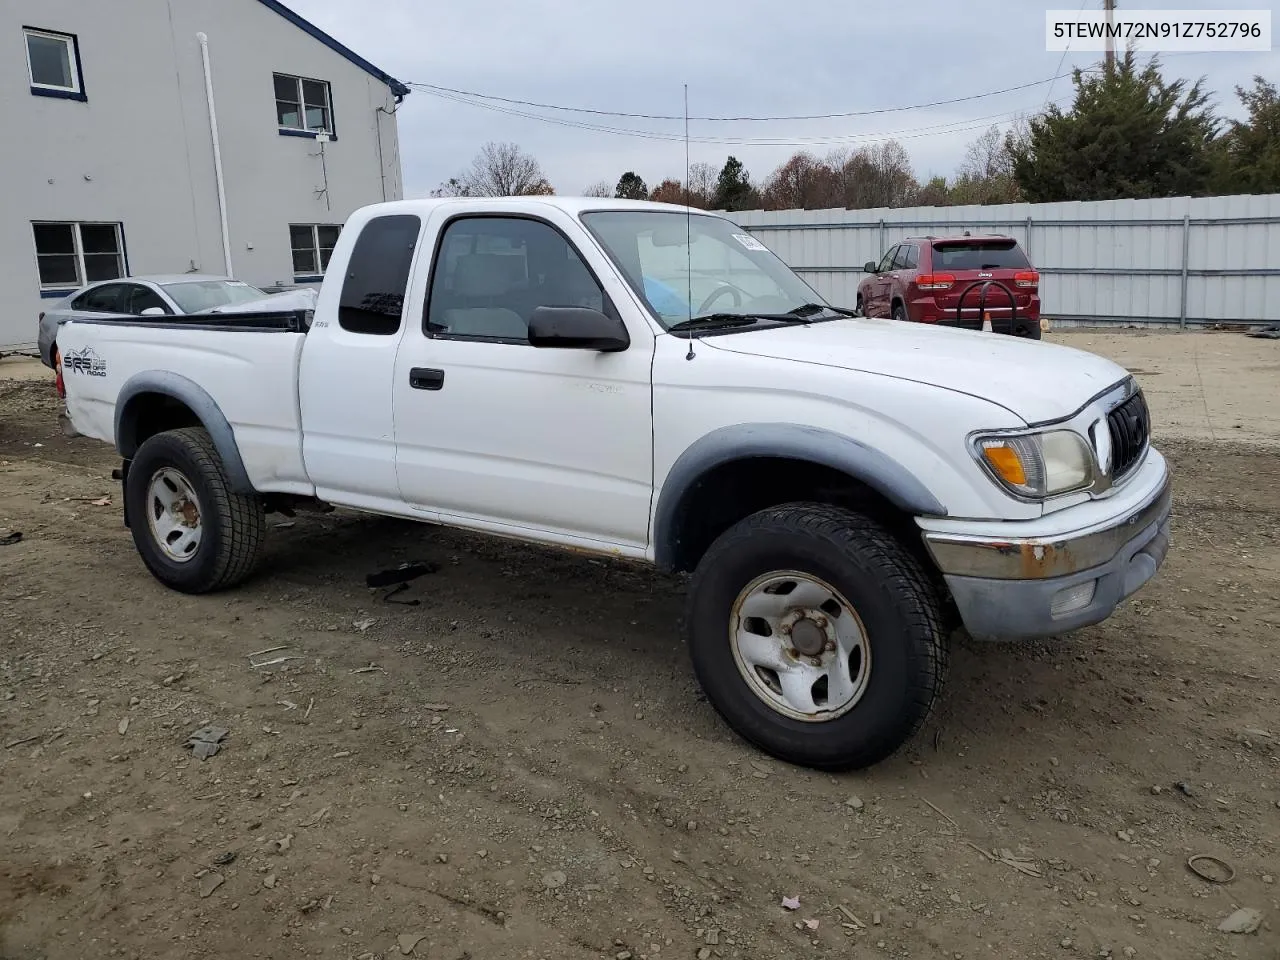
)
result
[(739, 58)]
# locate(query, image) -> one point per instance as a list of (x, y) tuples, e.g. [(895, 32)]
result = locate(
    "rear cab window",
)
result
[(377, 279), (951, 255)]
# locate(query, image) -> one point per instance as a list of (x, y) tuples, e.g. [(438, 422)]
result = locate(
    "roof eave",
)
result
[(394, 85)]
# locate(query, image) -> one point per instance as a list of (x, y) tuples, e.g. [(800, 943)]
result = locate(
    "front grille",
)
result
[(1130, 428)]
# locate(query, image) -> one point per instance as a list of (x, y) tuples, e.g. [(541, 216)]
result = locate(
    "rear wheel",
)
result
[(860, 308), (193, 533), (816, 636), (899, 311)]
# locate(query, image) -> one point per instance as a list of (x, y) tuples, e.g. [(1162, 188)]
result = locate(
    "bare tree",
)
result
[(499, 170), (600, 188), (987, 157), (876, 176), (986, 173), (702, 184)]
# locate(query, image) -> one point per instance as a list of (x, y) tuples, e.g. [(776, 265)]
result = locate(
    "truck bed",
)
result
[(245, 363)]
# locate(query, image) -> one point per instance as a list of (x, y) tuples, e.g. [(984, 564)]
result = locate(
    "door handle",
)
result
[(426, 378)]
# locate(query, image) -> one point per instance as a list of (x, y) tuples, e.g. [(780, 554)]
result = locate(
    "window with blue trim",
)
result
[(53, 63), (303, 105)]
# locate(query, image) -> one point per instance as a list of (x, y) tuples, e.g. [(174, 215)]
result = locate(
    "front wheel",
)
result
[(193, 533), (816, 636)]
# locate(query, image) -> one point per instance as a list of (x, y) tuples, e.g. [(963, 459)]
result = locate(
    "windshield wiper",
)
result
[(806, 309), (712, 320)]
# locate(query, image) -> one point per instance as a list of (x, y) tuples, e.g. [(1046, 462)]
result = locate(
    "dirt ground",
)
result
[(520, 765)]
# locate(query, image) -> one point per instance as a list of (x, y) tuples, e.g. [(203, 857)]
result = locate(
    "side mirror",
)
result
[(153, 312), (869, 267), (577, 328)]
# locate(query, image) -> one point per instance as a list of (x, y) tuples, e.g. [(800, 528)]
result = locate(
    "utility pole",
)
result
[(1110, 7)]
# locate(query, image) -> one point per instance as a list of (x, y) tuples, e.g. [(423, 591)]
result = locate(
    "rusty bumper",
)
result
[(1036, 587), (1036, 558)]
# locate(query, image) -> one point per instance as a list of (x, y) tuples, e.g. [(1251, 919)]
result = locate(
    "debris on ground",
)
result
[(222, 859), (791, 903), (207, 741), (10, 538), (1212, 869), (407, 941), (1244, 920), (273, 662), (210, 882), (554, 879), (401, 574), (123, 726), (365, 624), (390, 596)]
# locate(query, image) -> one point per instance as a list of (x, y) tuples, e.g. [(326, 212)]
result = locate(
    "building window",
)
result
[(312, 245), (71, 254), (302, 105), (53, 64)]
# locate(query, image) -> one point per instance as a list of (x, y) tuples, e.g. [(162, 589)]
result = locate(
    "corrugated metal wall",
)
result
[(1197, 261)]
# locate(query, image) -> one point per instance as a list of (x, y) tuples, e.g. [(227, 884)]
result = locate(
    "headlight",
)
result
[(1038, 465)]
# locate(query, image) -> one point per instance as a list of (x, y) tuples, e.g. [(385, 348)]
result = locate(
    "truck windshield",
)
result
[(192, 296), (690, 266)]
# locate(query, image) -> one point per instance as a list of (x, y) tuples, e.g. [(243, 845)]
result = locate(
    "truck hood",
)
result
[(1034, 380)]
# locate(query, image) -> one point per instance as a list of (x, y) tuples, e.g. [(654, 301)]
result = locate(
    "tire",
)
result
[(228, 528), (899, 311), (860, 308), (902, 662), (1032, 330)]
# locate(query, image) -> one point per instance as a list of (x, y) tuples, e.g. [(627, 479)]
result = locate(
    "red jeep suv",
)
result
[(955, 281)]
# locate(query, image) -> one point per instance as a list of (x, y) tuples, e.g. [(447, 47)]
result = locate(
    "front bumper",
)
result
[(1039, 585)]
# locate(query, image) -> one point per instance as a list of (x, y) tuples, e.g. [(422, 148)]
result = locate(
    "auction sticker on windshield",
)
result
[(750, 242)]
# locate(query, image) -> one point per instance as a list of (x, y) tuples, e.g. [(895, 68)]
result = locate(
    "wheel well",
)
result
[(147, 414), (735, 490)]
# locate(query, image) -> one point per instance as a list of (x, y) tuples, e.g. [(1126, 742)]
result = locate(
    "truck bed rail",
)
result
[(273, 321)]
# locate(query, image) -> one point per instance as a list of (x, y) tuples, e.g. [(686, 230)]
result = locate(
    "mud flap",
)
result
[(122, 474)]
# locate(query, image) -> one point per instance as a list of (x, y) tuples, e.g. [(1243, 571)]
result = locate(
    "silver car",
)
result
[(178, 295)]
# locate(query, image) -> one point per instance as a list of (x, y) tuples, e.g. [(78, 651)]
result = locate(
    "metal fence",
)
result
[(1181, 261)]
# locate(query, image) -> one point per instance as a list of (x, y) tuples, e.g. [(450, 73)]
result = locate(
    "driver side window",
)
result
[(887, 263), (491, 273)]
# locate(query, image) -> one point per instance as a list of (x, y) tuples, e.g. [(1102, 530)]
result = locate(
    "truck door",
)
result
[(348, 360), (496, 434)]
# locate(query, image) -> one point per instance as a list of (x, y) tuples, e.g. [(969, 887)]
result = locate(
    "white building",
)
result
[(173, 136)]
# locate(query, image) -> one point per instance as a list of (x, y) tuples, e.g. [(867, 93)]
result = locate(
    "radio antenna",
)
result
[(688, 224)]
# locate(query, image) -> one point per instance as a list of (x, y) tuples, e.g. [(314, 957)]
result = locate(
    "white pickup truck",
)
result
[(639, 381)]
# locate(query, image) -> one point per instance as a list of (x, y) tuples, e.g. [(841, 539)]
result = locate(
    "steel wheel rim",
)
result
[(173, 515), (800, 646)]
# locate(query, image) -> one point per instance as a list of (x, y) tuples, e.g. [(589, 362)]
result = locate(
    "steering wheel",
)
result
[(719, 292)]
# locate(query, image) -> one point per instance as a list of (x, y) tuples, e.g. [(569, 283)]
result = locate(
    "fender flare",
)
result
[(791, 441), (197, 399)]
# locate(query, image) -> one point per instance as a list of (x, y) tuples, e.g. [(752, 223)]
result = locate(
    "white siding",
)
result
[(1114, 261), (139, 150)]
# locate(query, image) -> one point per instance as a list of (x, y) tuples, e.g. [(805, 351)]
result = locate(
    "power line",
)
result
[(1061, 60), (436, 88), (910, 133)]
